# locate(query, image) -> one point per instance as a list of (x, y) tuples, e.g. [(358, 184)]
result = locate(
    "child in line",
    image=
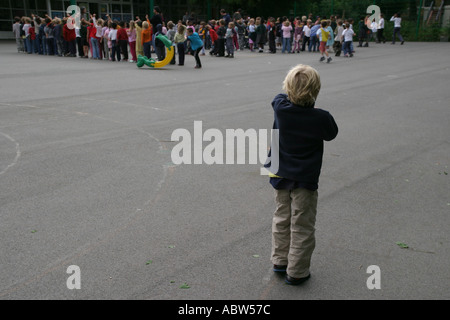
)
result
[(16, 30), (131, 32), (241, 34), (337, 46), (330, 41), (348, 35), (105, 40), (32, 32), (314, 39), (43, 37), (69, 37), (179, 40), (146, 38), (122, 39), (323, 36), (260, 34), (57, 32), (115, 49), (272, 36), (202, 35), (235, 37), (286, 32), (221, 32), (297, 37), (171, 32), (302, 131), (229, 40), (49, 36), (213, 36), (26, 28), (306, 34), (251, 28), (196, 46)]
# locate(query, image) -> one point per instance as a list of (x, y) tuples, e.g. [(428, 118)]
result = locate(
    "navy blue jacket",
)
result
[(302, 131)]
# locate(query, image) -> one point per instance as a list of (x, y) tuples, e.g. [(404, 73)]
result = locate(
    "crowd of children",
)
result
[(107, 39)]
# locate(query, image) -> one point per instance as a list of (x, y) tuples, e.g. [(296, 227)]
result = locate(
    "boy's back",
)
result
[(302, 130)]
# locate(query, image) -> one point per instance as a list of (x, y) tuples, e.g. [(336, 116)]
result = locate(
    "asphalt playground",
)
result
[(86, 178)]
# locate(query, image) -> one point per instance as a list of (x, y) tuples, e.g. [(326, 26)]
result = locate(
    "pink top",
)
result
[(132, 36), (286, 31)]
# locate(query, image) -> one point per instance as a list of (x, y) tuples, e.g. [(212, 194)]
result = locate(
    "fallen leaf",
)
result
[(256, 256), (402, 245), (171, 246), (33, 231), (149, 262), (185, 286)]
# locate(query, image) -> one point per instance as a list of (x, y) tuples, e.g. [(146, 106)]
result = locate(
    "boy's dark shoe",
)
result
[(281, 269), (329, 60), (322, 59), (402, 42), (296, 281)]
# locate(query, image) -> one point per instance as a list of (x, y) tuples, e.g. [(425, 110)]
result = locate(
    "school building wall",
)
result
[(117, 9)]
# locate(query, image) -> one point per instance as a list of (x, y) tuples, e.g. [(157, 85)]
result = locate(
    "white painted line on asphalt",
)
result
[(18, 153)]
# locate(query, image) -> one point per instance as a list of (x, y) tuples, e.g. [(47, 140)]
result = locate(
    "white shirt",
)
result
[(307, 31), (381, 24), (112, 34), (26, 28), (348, 35), (374, 27), (397, 22)]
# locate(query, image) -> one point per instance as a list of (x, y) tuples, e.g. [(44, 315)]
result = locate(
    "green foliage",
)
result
[(429, 33)]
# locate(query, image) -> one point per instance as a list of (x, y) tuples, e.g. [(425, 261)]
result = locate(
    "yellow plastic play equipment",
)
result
[(158, 64)]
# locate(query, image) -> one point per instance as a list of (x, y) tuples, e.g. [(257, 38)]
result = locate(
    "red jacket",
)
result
[(32, 33), (213, 35), (92, 31), (69, 34), (122, 34)]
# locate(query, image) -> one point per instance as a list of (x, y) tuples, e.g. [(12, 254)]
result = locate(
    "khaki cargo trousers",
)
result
[(293, 239)]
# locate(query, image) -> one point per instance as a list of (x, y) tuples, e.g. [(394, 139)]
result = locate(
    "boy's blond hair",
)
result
[(302, 84)]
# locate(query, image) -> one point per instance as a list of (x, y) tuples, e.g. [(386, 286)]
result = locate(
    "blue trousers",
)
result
[(286, 45)]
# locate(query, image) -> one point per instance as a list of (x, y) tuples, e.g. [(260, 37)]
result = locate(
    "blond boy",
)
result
[(302, 129)]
